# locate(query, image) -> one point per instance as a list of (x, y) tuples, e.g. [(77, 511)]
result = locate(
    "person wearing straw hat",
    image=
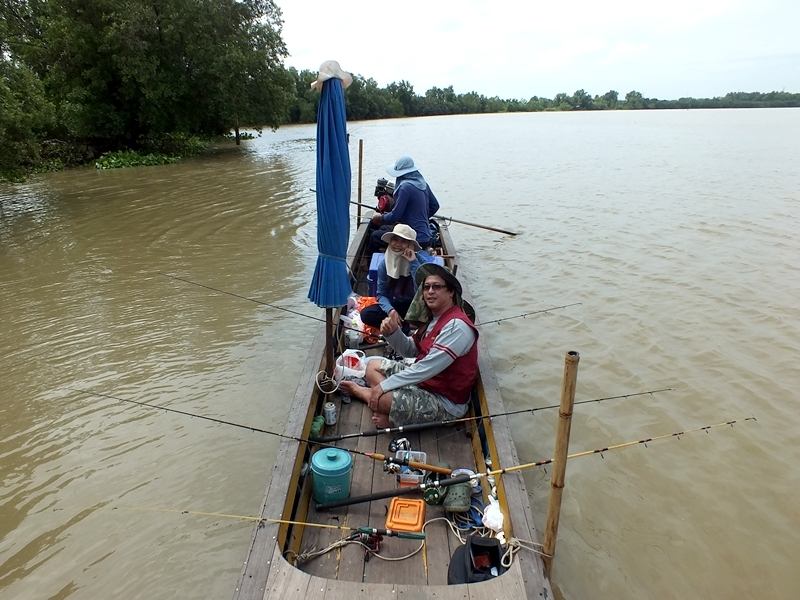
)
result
[(396, 287), (437, 386), (414, 204)]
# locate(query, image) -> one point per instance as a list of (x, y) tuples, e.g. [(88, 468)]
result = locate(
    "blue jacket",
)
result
[(413, 207)]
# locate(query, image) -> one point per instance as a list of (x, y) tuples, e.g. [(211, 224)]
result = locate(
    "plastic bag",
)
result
[(350, 365), (492, 515)]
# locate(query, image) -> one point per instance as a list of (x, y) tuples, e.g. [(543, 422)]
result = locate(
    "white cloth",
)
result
[(396, 265)]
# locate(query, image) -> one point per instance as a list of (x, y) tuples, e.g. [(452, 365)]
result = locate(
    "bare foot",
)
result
[(351, 388), (380, 421)]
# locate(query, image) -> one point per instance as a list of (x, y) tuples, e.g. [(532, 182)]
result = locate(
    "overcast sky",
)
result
[(519, 49)]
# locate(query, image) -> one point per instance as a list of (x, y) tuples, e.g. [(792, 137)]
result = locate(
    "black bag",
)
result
[(477, 560)]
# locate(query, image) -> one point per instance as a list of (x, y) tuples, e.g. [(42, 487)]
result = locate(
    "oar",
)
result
[(441, 218), (464, 478)]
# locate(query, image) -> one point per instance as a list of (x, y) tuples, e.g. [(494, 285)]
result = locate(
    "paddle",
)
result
[(454, 220)]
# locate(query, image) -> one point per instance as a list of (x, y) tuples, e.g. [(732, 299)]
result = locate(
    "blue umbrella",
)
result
[(330, 285)]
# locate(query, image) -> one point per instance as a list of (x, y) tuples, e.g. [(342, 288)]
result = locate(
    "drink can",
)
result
[(329, 412)]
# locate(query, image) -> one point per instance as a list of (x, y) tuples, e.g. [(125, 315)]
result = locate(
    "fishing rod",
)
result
[(527, 314), (373, 455), (469, 477), (411, 535), (422, 426), (443, 218)]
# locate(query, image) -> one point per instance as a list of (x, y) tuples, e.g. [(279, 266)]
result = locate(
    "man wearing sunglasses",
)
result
[(437, 386)]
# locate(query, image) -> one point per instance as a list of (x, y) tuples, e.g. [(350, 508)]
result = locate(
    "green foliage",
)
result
[(131, 158), (25, 115), (126, 73)]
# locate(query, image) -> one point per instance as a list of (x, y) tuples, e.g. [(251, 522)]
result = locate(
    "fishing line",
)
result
[(373, 455), (299, 314), (421, 426)]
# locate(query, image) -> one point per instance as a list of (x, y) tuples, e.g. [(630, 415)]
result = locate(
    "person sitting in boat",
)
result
[(414, 204), (437, 386), (395, 287)]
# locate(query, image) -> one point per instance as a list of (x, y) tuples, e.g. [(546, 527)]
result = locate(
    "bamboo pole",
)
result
[(360, 165), (560, 457)]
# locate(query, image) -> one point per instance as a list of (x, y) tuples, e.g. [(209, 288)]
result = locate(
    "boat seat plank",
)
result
[(284, 580), (437, 544), (351, 564), (327, 565), (376, 570)]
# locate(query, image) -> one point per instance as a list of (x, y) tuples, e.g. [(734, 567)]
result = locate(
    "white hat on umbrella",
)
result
[(329, 69)]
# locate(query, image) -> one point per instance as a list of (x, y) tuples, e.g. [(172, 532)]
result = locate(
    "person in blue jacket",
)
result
[(395, 287), (414, 204)]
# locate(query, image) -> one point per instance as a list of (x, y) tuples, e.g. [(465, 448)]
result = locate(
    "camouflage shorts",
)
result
[(412, 404)]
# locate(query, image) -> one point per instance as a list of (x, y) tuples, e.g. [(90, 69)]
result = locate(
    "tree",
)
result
[(403, 92), (25, 114), (581, 100), (122, 70), (634, 100)]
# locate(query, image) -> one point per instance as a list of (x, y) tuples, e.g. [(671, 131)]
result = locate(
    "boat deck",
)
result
[(343, 573), (448, 446)]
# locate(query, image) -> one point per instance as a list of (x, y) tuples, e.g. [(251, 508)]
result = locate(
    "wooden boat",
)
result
[(269, 570)]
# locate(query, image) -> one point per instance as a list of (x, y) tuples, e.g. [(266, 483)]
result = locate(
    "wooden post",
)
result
[(360, 163), (329, 350), (560, 456)]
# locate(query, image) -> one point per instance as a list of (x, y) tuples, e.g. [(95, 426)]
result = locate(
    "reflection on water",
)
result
[(673, 229)]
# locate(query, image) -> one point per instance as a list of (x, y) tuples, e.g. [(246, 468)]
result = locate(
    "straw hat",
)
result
[(329, 69), (404, 165), (404, 231)]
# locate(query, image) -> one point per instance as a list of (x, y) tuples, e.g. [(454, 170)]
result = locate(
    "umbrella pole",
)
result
[(329, 331), (360, 163)]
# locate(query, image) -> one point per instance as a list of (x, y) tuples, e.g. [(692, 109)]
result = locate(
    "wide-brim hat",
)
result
[(431, 268), (418, 312), (328, 70), (402, 166), (404, 231)]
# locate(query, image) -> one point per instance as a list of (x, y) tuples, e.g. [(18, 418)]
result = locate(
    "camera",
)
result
[(384, 188)]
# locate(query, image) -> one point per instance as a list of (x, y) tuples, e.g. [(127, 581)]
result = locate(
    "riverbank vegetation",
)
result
[(129, 82)]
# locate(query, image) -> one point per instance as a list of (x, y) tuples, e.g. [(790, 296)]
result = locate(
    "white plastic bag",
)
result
[(350, 365), (492, 515)]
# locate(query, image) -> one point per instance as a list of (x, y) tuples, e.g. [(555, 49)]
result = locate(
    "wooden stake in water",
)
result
[(560, 456)]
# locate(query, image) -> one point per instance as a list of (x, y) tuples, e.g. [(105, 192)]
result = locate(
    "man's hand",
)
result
[(391, 323), (376, 220), (408, 252)]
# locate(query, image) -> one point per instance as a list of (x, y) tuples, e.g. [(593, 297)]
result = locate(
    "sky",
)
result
[(519, 49)]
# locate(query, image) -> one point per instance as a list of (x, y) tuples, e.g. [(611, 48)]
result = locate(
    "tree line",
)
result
[(80, 78)]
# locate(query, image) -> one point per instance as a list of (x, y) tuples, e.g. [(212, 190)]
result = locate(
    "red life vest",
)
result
[(456, 381)]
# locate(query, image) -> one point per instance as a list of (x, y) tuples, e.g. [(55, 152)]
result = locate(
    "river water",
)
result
[(676, 231)]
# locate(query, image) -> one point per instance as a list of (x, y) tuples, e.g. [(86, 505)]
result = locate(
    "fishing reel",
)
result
[(434, 495), (399, 444), (391, 467), (372, 544)]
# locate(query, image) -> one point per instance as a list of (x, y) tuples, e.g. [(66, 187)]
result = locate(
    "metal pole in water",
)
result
[(560, 456)]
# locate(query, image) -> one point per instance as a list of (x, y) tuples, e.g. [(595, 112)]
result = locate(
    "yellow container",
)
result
[(406, 514)]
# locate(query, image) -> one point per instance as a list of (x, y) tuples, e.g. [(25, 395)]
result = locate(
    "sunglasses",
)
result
[(434, 287)]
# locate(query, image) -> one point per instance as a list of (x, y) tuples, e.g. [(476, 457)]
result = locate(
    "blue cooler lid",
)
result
[(331, 461)]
